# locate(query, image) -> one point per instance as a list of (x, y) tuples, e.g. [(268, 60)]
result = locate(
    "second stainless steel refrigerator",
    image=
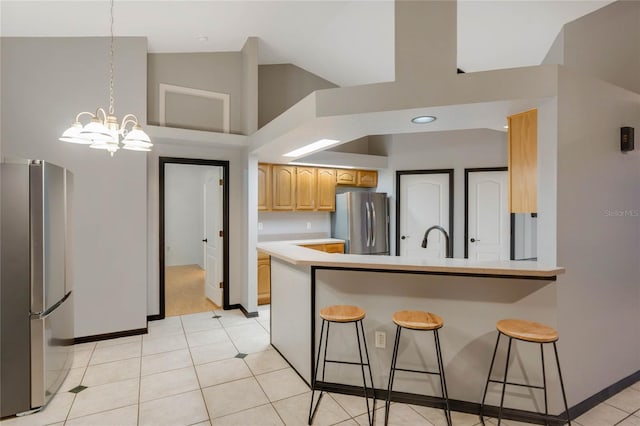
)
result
[(361, 219)]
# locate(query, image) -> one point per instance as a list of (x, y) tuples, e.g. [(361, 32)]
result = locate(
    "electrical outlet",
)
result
[(381, 339), (260, 226), (308, 225)]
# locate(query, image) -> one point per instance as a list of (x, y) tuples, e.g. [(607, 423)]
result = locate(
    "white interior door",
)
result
[(213, 244), (488, 216), (424, 202)]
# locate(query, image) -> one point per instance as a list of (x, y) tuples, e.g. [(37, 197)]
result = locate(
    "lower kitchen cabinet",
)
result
[(329, 248), (264, 279)]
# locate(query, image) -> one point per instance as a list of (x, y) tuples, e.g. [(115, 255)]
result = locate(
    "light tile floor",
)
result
[(192, 370)]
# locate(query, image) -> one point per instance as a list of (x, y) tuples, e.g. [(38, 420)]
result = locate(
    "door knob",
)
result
[(205, 240), (473, 240)]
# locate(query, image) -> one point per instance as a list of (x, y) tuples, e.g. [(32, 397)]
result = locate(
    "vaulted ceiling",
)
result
[(346, 42)]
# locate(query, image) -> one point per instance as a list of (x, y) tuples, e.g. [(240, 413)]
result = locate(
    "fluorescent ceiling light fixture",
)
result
[(330, 166), (423, 119), (312, 147)]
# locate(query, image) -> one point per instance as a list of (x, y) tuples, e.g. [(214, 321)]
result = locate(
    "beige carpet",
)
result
[(184, 291)]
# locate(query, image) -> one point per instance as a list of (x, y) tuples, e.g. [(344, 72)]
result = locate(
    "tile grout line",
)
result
[(193, 364), (73, 401)]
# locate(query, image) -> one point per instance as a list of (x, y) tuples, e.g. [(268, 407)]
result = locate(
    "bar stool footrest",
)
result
[(418, 371), (517, 384), (345, 362)]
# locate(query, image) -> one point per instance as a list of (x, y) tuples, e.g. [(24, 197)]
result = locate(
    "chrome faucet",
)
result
[(446, 239)]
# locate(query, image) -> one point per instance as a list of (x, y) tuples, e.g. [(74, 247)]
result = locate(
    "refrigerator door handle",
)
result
[(373, 225), (45, 314), (368, 219)]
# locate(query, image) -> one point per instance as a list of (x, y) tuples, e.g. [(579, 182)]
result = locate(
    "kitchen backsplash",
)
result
[(275, 223)]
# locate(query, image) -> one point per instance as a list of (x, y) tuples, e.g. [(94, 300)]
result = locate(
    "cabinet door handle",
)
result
[(404, 237), (205, 240), (473, 240)]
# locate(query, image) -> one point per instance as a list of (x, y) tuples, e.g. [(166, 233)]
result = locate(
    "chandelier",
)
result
[(103, 131)]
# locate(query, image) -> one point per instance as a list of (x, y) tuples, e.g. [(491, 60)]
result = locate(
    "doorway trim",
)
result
[(466, 200), (225, 226), (399, 174)]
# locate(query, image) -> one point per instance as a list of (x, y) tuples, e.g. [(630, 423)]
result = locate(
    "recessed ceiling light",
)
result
[(314, 146), (423, 119), (506, 126), (202, 38)]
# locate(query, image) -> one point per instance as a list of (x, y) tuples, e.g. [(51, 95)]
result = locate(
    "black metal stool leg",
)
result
[(504, 382), (544, 383), (486, 386), (564, 396), (443, 382), (312, 412), (366, 352), (364, 380), (392, 373)]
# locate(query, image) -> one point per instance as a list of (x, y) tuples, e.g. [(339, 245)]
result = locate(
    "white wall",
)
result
[(184, 219), (278, 223), (236, 232), (441, 150), (45, 83), (598, 241)]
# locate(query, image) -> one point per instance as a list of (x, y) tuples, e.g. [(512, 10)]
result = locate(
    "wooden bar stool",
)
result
[(526, 331), (343, 314), (420, 321)]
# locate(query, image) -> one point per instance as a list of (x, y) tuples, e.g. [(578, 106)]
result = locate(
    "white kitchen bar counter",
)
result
[(470, 296), (292, 252)]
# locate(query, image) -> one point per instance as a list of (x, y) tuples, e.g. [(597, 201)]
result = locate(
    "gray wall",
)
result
[(440, 150), (281, 86), (220, 72), (598, 235), (45, 83), (605, 44)]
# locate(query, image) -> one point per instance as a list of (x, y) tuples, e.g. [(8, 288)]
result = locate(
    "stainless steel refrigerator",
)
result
[(361, 219), (36, 301)]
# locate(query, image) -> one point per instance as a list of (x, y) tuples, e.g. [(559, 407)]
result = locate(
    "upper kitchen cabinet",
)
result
[(360, 178), (523, 162), (315, 189), (346, 177), (305, 188), (367, 178), (264, 187), (283, 189), (326, 190)]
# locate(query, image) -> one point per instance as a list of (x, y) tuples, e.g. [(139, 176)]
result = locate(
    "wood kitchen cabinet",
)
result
[(523, 162), (360, 178), (283, 187), (264, 279), (346, 177), (305, 188), (291, 188), (326, 190), (264, 187), (367, 178), (329, 247), (315, 189)]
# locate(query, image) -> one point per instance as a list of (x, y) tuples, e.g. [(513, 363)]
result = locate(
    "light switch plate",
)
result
[(381, 339)]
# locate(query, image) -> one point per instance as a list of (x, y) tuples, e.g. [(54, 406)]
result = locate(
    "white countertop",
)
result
[(291, 252)]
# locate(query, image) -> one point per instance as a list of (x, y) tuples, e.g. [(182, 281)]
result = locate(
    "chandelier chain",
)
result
[(111, 109)]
